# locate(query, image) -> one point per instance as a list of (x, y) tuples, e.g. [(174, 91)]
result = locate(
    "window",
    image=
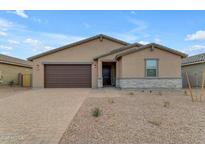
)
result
[(151, 67)]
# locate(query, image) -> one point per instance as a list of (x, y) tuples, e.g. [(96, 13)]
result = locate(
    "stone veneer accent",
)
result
[(100, 83), (117, 83), (172, 83)]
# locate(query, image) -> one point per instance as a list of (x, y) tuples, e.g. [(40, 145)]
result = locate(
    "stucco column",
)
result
[(100, 85), (117, 74)]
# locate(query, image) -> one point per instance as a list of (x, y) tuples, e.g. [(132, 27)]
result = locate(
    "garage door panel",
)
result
[(68, 76)]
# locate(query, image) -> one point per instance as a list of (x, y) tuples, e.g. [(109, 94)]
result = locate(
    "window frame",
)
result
[(157, 67)]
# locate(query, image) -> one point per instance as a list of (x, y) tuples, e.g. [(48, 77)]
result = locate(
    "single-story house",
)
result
[(102, 61), (194, 66), (10, 68)]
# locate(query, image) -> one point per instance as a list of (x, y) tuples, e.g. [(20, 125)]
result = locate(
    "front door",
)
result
[(106, 75)]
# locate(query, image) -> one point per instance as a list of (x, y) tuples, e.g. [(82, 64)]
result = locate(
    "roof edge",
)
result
[(194, 63), (119, 49), (183, 55), (194, 59), (16, 64), (77, 43), (14, 61)]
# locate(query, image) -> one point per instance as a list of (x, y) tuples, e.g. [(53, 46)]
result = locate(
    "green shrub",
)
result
[(96, 112)]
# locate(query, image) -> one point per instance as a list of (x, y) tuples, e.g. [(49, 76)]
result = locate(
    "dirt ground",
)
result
[(139, 117), (6, 91)]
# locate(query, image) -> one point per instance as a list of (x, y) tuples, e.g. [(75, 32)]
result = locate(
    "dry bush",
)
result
[(154, 122), (166, 104), (131, 93), (185, 93)]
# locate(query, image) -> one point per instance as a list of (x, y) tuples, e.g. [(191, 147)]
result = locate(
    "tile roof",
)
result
[(200, 58)]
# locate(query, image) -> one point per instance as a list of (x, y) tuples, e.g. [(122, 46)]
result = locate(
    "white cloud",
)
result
[(199, 35), (21, 13), (32, 42), (13, 42), (5, 47), (195, 49), (61, 39), (135, 33), (17, 37), (3, 33), (128, 37), (157, 40), (144, 42), (36, 45), (41, 41), (5, 24), (48, 47)]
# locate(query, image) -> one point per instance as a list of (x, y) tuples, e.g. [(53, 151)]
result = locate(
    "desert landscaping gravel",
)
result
[(139, 117), (6, 91)]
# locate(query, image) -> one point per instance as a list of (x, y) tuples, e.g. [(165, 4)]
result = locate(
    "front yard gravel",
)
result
[(139, 117)]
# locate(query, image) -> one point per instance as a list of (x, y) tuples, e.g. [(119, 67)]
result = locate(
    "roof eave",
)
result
[(118, 50), (194, 63), (183, 55), (16, 64), (76, 43)]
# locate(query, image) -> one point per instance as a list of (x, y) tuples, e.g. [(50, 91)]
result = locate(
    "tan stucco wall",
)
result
[(112, 58), (78, 54), (133, 65), (10, 72)]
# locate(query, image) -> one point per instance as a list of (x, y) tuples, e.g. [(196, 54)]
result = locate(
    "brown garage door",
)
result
[(68, 76)]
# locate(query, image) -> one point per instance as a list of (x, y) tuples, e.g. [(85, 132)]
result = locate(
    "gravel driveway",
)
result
[(6, 91), (38, 116)]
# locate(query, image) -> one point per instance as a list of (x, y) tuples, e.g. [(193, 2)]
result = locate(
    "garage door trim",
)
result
[(63, 64)]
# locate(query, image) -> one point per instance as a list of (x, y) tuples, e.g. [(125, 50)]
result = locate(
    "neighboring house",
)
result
[(194, 66), (102, 61), (10, 67)]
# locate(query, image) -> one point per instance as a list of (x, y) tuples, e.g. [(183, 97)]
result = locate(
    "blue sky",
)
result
[(26, 33)]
